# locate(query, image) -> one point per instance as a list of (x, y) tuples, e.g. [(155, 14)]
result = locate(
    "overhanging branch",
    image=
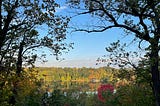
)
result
[(31, 47), (95, 30)]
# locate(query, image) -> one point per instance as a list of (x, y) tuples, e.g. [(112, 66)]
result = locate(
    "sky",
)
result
[(87, 46)]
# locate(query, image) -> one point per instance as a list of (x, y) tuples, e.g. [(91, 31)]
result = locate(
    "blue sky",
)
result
[(87, 47)]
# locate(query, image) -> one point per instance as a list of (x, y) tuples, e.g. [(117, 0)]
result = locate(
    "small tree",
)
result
[(137, 17)]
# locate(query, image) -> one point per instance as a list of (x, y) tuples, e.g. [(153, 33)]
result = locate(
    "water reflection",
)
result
[(80, 86)]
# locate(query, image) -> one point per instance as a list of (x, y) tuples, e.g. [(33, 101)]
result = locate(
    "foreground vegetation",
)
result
[(37, 89)]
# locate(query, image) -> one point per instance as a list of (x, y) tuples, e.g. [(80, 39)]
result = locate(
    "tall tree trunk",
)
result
[(18, 73), (19, 61), (154, 60)]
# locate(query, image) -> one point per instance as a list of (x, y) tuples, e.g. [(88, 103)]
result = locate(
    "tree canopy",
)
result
[(20, 24), (137, 17), (22, 39)]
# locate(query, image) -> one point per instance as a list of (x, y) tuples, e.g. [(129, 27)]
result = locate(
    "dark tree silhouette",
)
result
[(140, 18)]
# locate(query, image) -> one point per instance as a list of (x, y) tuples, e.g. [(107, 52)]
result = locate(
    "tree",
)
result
[(20, 37), (137, 17)]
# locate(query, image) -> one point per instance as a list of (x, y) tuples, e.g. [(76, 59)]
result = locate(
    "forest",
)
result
[(75, 74)]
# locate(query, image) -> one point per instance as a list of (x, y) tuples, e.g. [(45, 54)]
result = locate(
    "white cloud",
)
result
[(61, 8)]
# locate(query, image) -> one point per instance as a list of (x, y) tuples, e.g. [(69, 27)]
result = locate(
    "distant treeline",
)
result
[(76, 74)]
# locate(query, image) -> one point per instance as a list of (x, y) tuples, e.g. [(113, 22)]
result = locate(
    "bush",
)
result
[(134, 95)]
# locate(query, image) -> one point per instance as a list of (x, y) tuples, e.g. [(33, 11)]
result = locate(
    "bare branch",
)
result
[(106, 12), (138, 34), (144, 25), (95, 30), (140, 16), (86, 12), (31, 47), (116, 24)]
